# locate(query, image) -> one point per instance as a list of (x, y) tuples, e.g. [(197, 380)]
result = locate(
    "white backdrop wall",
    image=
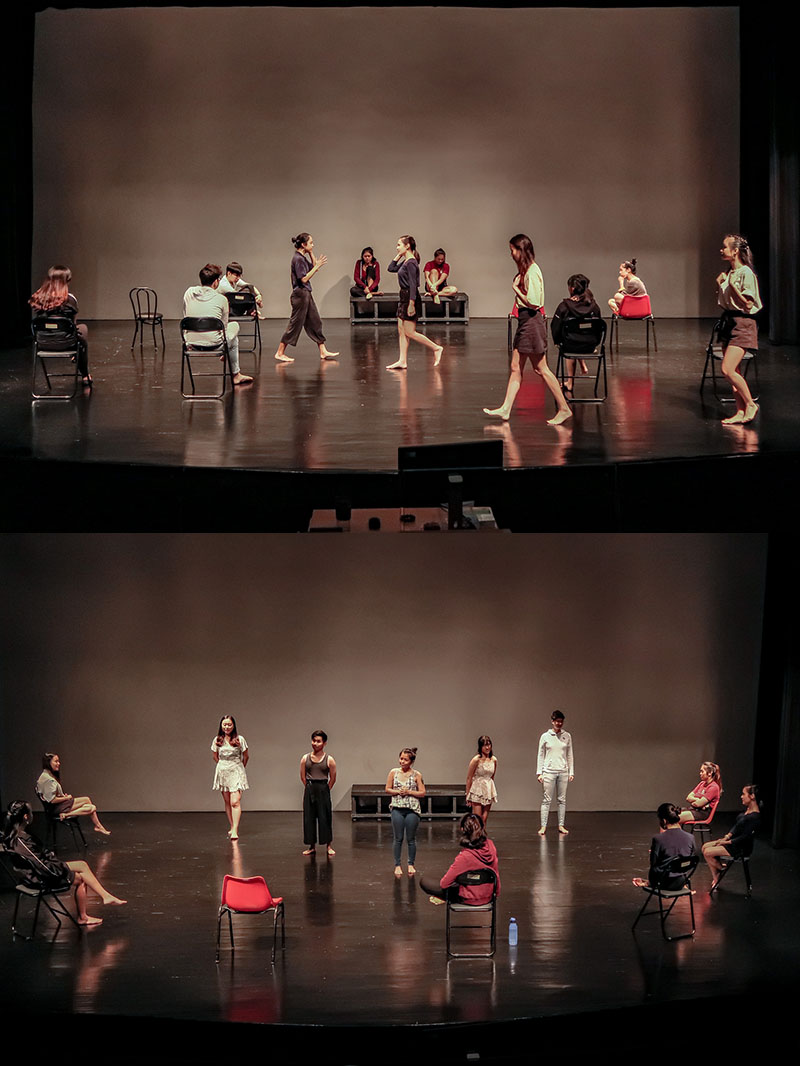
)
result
[(167, 138), (122, 652)]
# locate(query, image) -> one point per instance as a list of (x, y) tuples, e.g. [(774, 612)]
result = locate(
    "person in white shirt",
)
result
[(555, 768), (234, 282), (737, 294)]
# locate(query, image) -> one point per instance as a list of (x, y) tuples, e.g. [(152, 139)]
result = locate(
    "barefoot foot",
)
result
[(497, 412), (284, 358), (241, 379), (750, 413), (411, 870), (559, 418), (734, 420), (89, 920), (114, 901), (398, 871), (397, 366), (102, 829), (310, 851), (542, 831), (325, 354), (330, 850), (437, 354)]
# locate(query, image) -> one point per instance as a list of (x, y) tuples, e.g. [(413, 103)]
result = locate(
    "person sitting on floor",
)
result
[(234, 282), (437, 271), (366, 276), (670, 843), (477, 852), (204, 301)]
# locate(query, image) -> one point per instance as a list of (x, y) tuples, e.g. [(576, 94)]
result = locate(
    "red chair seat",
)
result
[(634, 307)]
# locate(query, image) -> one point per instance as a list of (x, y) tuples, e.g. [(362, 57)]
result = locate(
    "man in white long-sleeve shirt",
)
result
[(555, 769)]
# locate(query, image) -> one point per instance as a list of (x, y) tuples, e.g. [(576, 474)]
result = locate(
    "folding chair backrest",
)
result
[(54, 333), (582, 335), (241, 302)]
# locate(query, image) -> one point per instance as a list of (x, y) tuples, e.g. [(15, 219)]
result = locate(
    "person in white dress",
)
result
[(481, 791), (229, 752)]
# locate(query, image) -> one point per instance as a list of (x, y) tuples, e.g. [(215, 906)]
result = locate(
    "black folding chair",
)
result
[(482, 876), (583, 338), (53, 821), (55, 341), (682, 867), (216, 349), (242, 305), (29, 885)]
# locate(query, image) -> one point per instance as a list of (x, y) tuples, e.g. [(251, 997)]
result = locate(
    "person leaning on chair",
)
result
[(203, 301), (234, 282), (672, 842)]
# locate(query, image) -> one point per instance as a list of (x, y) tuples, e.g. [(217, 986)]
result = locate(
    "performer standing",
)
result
[(530, 341), (406, 265), (304, 311), (481, 791), (229, 752), (318, 774), (737, 294), (406, 787), (555, 769)]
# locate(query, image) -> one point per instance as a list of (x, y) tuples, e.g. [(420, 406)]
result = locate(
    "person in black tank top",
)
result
[(318, 774)]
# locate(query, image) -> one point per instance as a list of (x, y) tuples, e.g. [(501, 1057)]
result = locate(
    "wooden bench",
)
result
[(440, 801), (384, 309)]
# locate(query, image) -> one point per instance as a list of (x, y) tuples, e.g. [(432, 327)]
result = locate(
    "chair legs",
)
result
[(42, 896), (278, 911), (473, 954), (649, 322), (665, 913), (744, 860)]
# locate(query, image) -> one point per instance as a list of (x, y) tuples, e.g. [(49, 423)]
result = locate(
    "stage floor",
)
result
[(364, 949), (352, 414)]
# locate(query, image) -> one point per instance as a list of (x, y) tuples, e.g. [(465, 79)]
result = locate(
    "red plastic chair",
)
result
[(635, 308), (249, 895), (702, 825)]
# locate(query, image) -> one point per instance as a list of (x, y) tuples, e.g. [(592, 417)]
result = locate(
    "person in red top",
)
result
[(477, 852), (704, 794), (437, 272), (366, 276)]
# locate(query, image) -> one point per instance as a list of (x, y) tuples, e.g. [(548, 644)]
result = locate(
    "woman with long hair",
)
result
[(54, 298), (406, 265), (477, 852), (43, 867), (705, 793), (629, 285), (406, 787), (740, 839), (49, 787), (738, 296), (366, 276), (305, 315), (229, 752), (530, 341), (576, 308), (481, 791)]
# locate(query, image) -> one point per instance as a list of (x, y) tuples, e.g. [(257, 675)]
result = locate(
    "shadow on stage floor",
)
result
[(133, 455), (365, 954)]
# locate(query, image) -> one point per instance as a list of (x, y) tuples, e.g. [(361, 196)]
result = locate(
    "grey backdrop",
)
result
[(123, 652), (166, 138)]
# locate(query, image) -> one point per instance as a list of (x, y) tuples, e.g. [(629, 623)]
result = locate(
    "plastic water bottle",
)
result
[(512, 933)]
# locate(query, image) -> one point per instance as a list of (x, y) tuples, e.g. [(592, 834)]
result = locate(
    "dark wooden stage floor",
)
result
[(365, 952), (322, 430)]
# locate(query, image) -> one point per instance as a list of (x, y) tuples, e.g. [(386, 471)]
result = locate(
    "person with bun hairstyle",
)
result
[(705, 793), (51, 791), (54, 298), (406, 265), (481, 791), (229, 752), (477, 852), (739, 841), (530, 340), (305, 315), (318, 774), (671, 843), (406, 787), (366, 276), (43, 867), (579, 306), (738, 296), (629, 285)]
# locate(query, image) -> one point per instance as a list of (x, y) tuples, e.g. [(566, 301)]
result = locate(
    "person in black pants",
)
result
[(54, 298), (406, 265), (318, 774), (305, 315)]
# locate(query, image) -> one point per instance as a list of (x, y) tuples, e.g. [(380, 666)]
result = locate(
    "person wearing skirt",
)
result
[(305, 315), (406, 265), (229, 752), (530, 341), (481, 791), (737, 294)]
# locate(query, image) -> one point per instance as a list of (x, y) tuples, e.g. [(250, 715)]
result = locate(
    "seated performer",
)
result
[(234, 282), (477, 852), (204, 301), (670, 843), (705, 793), (49, 788), (366, 276), (54, 298), (739, 842), (437, 272), (629, 285), (579, 305)]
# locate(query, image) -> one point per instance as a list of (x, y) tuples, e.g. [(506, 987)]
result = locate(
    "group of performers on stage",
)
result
[(405, 785), (737, 295)]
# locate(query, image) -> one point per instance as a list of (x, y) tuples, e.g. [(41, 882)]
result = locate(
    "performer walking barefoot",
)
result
[(406, 265), (304, 311), (229, 752), (481, 793), (318, 774), (530, 341), (737, 294)]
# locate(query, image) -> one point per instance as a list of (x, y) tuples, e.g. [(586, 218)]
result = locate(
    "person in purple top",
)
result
[(305, 315), (406, 265)]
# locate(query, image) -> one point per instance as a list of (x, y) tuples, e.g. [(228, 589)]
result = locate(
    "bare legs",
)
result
[(233, 810), (514, 382), (746, 407), (482, 811), (407, 331), (82, 805), (713, 851), (85, 879)]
